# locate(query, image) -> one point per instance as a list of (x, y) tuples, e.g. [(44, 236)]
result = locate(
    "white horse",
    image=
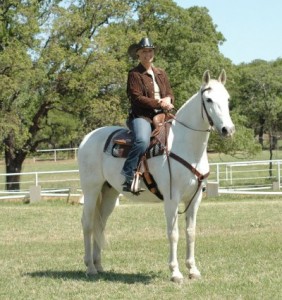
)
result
[(101, 181)]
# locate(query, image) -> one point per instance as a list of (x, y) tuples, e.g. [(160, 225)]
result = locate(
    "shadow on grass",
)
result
[(105, 276)]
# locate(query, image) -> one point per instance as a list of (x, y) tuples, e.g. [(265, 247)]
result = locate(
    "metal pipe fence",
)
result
[(56, 154), (232, 177), (53, 183), (246, 176)]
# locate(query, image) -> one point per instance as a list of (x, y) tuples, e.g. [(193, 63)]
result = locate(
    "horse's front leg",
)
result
[(171, 210), (191, 216)]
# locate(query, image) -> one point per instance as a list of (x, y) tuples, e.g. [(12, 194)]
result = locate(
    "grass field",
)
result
[(238, 251)]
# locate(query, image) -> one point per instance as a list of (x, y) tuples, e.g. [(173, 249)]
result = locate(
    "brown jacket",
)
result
[(140, 90)]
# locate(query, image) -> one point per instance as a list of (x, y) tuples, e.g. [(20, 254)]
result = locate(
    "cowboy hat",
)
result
[(144, 43)]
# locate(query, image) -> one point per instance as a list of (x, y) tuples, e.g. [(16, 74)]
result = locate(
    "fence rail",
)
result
[(53, 183), (248, 177), (54, 153)]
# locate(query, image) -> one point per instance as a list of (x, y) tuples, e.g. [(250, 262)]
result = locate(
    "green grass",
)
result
[(238, 251)]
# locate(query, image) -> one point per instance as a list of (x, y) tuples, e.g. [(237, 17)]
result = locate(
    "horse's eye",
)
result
[(209, 100)]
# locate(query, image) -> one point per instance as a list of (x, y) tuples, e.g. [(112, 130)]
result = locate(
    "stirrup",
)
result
[(133, 185)]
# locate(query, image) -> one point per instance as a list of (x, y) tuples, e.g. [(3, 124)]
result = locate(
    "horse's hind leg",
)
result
[(90, 199), (105, 207)]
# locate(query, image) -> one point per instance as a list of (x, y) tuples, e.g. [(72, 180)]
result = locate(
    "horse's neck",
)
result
[(189, 133), (191, 114)]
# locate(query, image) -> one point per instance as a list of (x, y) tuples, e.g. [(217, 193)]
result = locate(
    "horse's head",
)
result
[(215, 100)]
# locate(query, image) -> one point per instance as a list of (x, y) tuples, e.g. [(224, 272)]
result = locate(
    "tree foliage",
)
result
[(241, 145)]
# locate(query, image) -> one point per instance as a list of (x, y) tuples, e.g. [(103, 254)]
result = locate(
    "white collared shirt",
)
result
[(157, 94)]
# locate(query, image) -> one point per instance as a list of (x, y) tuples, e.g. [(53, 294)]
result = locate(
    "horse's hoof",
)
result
[(99, 268), (91, 272), (195, 276), (177, 279)]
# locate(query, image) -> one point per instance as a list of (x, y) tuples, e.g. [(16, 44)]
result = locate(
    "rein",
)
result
[(199, 176), (186, 126), (203, 108)]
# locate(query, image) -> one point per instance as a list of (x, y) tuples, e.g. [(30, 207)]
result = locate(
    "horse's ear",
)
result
[(206, 77), (222, 77)]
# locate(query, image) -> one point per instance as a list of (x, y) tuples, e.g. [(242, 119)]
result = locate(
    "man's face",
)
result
[(146, 55)]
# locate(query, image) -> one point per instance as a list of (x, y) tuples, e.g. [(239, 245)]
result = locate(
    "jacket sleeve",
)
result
[(137, 92)]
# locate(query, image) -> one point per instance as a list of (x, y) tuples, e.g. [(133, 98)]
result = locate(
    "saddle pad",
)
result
[(118, 144), (110, 140)]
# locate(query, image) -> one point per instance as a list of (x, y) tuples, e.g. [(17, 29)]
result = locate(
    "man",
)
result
[(149, 92)]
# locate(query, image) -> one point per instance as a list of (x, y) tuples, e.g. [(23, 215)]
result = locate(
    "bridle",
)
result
[(203, 108)]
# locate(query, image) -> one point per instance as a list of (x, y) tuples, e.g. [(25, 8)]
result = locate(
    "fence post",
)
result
[(35, 193), (217, 172), (275, 186), (212, 189), (278, 173), (36, 179)]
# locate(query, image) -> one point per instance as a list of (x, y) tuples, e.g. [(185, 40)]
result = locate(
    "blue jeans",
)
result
[(141, 130)]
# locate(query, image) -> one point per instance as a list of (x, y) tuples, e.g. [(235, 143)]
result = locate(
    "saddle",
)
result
[(120, 142)]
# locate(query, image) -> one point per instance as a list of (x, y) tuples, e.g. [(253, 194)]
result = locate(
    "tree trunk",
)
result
[(13, 181), (13, 160), (271, 154), (261, 135), (261, 130)]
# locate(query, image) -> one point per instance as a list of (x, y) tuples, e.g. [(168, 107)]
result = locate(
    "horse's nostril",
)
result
[(224, 131), (227, 131)]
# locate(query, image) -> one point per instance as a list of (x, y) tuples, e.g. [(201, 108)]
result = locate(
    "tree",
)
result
[(18, 28), (241, 145), (259, 98), (51, 66)]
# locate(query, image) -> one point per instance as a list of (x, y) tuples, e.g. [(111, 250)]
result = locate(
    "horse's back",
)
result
[(91, 149), (95, 140)]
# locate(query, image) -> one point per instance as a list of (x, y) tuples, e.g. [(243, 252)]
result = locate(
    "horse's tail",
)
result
[(99, 226)]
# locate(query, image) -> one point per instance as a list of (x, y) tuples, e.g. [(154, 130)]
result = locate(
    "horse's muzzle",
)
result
[(227, 131)]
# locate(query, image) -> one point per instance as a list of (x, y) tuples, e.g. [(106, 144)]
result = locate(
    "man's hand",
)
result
[(166, 104)]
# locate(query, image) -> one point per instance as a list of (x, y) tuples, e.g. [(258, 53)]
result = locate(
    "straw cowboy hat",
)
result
[(144, 43)]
